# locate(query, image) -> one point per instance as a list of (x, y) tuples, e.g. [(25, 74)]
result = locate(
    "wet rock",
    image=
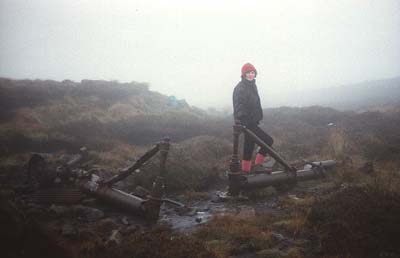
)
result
[(89, 201), (115, 238), (278, 237), (249, 246), (220, 196), (203, 208), (167, 211), (183, 210), (215, 198), (124, 220), (220, 210), (59, 210), (202, 217), (68, 230), (293, 197), (33, 209), (192, 212)]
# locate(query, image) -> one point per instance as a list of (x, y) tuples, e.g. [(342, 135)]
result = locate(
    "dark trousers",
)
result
[(249, 143)]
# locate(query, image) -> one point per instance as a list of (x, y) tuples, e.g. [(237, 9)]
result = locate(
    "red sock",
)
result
[(246, 166), (259, 159)]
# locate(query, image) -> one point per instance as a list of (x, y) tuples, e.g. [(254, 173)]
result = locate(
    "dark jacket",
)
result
[(246, 103)]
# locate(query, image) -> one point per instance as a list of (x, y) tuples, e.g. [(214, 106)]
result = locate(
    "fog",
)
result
[(194, 50)]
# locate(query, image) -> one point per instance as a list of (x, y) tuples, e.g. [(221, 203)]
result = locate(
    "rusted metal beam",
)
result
[(147, 205), (124, 173), (271, 151), (164, 148), (239, 181)]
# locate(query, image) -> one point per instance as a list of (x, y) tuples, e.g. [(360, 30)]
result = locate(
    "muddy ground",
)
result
[(272, 222)]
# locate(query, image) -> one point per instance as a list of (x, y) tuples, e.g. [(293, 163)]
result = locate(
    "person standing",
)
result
[(247, 111)]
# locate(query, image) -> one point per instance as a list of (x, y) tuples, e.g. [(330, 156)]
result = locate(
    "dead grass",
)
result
[(118, 156), (231, 235), (295, 223), (160, 245), (362, 219), (191, 196)]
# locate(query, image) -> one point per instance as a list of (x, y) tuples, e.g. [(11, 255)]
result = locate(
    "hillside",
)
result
[(368, 95), (330, 217), (48, 115)]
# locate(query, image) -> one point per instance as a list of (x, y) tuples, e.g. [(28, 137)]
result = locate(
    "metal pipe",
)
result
[(164, 148), (271, 151), (280, 177), (234, 166), (129, 170), (264, 180), (325, 163), (150, 206), (120, 199)]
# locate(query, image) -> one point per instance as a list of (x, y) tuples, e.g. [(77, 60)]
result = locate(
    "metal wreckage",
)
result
[(69, 184)]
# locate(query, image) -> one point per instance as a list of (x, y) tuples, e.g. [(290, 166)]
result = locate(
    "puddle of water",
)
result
[(200, 212)]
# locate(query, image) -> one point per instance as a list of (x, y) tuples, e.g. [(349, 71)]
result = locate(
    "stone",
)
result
[(278, 237), (115, 238), (58, 210), (124, 220)]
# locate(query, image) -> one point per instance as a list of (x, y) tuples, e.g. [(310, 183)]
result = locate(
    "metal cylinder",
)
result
[(164, 148), (120, 199), (282, 177), (264, 180), (234, 166), (325, 163)]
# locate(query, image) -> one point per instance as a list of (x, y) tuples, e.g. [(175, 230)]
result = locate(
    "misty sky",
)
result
[(195, 49)]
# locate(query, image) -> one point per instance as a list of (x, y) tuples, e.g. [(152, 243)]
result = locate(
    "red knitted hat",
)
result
[(248, 68)]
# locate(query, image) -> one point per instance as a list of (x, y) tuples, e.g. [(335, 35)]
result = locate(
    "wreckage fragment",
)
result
[(239, 182), (56, 188)]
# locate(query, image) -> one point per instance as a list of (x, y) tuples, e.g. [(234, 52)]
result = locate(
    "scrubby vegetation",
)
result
[(353, 214), (360, 220), (162, 244)]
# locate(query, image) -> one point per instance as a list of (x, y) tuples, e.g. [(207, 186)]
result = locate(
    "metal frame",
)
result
[(147, 205), (240, 182)]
